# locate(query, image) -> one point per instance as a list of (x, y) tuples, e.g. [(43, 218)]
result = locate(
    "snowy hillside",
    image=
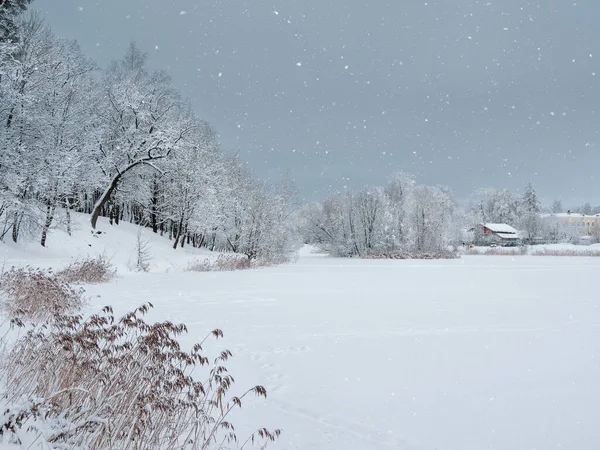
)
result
[(117, 242)]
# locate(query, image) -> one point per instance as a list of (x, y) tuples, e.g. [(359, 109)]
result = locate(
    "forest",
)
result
[(120, 143)]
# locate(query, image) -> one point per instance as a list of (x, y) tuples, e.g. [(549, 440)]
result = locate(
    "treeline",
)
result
[(405, 219), (380, 221), (119, 143), (536, 223)]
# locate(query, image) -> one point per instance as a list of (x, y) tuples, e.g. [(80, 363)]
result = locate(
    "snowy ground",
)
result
[(479, 353)]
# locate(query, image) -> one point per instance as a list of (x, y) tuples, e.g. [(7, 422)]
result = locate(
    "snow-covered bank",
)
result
[(117, 242), (535, 250)]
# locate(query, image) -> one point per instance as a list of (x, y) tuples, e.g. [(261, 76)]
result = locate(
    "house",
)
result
[(500, 231), (578, 224)]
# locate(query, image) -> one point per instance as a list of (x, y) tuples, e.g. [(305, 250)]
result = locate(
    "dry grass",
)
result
[(523, 251), (121, 383), (231, 262), (566, 252), (197, 265), (89, 271), (497, 251), (399, 254), (35, 295)]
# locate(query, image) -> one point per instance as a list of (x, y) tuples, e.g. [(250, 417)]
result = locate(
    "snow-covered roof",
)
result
[(500, 228)]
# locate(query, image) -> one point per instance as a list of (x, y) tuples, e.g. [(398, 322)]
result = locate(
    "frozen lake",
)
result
[(485, 352)]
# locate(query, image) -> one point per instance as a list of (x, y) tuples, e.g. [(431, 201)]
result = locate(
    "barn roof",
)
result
[(500, 228)]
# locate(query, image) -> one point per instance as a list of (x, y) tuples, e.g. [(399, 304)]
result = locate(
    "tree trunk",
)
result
[(154, 207), (179, 233), (49, 218), (68, 214), (153, 221), (111, 214), (103, 199), (16, 227), (105, 196)]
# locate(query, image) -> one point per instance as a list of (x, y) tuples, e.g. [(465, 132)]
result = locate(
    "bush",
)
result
[(36, 295), (105, 383), (89, 271)]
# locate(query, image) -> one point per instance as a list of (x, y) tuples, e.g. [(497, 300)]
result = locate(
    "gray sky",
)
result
[(465, 93)]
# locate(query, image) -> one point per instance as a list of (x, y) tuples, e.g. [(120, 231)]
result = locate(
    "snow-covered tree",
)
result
[(144, 120), (124, 145), (63, 113), (369, 204), (557, 207), (430, 213), (397, 193), (10, 10), (401, 217), (530, 202), (586, 209), (531, 222), (192, 175), (21, 161), (255, 217), (332, 225), (496, 206)]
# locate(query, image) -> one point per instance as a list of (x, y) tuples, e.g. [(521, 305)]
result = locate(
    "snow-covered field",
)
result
[(484, 352)]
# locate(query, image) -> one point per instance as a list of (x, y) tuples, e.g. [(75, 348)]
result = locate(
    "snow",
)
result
[(116, 242), (483, 352), (500, 228), (567, 247)]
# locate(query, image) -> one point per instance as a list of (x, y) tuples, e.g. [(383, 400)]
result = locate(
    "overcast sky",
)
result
[(465, 93)]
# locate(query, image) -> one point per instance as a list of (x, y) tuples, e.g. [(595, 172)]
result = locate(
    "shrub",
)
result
[(36, 295), (142, 256), (106, 383), (89, 271)]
